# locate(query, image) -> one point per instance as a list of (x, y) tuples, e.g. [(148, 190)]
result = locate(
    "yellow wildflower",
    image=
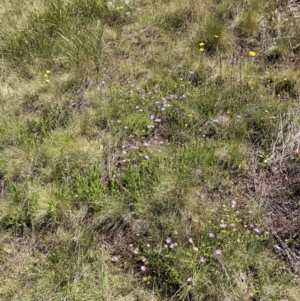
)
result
[(47, 81), (201, 49), (216, 36), (121, 7), (252, 53), (48, 72), (201, 44)]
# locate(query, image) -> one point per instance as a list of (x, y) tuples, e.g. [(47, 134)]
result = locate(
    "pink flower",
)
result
[(191, 240), (256, 230), (169, 240), (143, 268), (218, 252), (233, 204), (211, 235), (223, 225), (196, 249), (202, 259)]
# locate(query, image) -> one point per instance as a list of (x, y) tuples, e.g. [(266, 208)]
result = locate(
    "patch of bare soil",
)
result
[(277, 187), (282, 195)]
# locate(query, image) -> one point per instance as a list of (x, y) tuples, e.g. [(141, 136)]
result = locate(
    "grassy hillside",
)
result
[(149, 150)]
